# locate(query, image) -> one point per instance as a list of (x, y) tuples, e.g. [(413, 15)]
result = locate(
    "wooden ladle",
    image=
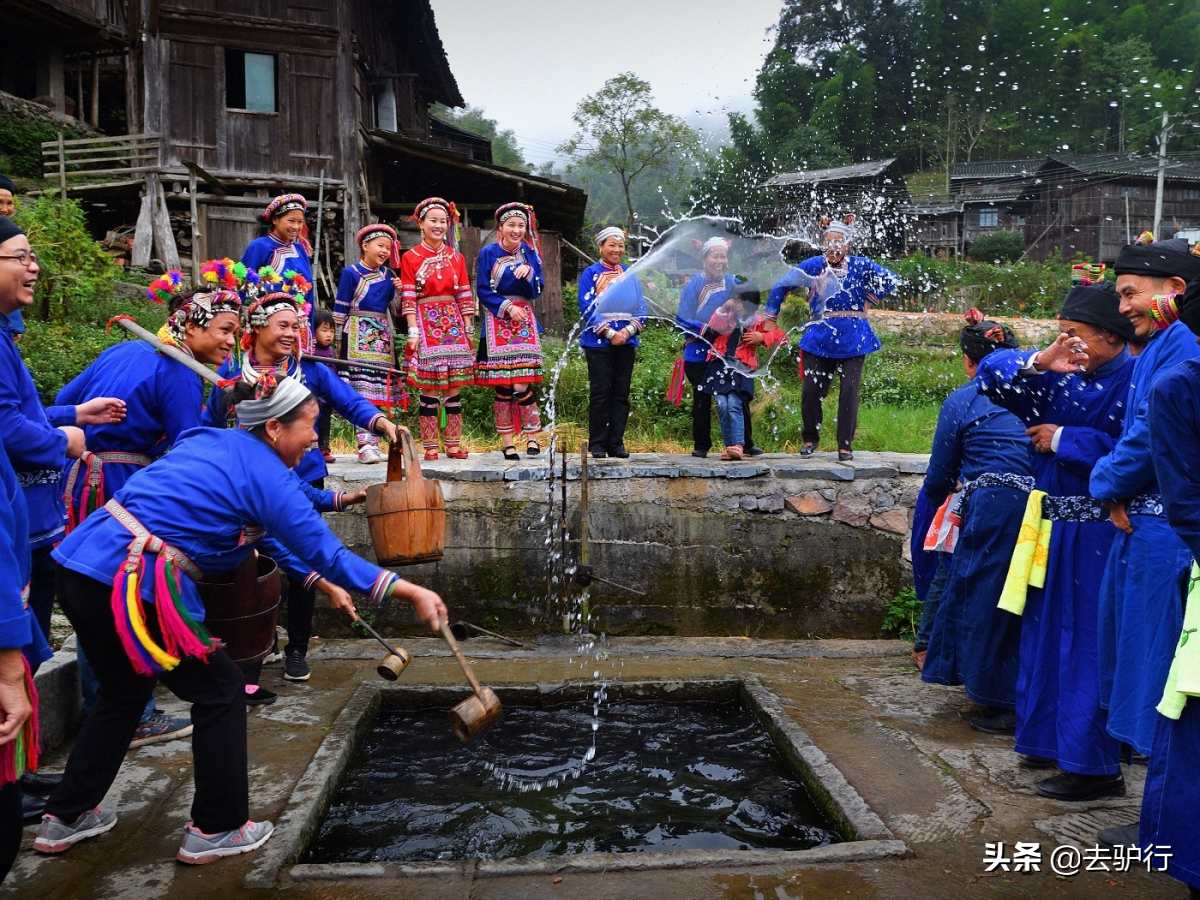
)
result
[(473, 716)]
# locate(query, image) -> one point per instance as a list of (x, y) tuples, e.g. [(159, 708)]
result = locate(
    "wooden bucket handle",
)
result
[(403, 453)]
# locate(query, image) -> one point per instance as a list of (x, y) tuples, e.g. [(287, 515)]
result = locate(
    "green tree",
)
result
[(621, 132), (505, 150)]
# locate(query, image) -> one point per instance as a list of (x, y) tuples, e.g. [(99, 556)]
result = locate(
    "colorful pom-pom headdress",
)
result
[(221, 283), (276, 293), (1088, 273), (378, 230), (453, 233)]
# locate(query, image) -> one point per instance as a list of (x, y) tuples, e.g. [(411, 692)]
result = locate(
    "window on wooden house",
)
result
[(250, 81), (1191, 194), (989, 217)]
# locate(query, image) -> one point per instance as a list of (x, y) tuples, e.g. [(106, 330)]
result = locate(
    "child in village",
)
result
[(735, 332), (323, 338)]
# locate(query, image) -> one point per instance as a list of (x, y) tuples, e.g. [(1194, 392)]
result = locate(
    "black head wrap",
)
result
[(1162, 259), (748, 292), (980, 339), (1189, 307), (1098, 305), (6, 184), (8, 229)]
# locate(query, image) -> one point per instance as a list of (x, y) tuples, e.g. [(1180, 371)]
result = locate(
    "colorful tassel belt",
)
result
[(92, 497), (182, 635)]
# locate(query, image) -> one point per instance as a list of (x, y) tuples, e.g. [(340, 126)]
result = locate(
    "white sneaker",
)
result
[(199, 848), (55, 835), (369, 453)]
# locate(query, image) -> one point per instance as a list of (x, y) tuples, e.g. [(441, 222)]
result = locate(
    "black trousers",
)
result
[(610, 374), (214, 688), (300, 604), (818, 379), (702, 410), (10, 827), (41, 587)]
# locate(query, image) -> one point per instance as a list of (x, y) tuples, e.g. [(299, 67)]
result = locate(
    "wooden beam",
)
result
[(143, 233), (94, 118), (160, 223), (197, 170), (195, 229)]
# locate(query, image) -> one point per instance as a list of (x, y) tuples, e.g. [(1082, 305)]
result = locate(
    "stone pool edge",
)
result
[(313, 794)]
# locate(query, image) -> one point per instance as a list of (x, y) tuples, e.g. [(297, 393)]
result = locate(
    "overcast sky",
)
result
[(529, 64)]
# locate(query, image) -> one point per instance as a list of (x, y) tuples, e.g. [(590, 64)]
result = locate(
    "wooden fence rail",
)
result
[(100, 158)]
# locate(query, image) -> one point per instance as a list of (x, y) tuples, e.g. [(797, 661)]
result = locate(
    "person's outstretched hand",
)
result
[(100, 411), (15, 706), (1067, 354), (427, 605)]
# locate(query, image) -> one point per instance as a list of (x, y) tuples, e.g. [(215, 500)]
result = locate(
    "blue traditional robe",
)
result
[(608, 297), (211, 498), (36, 448), (972, 642), (698, 301), (1140, 606), (364, 331), (1172, 793), (18, 628), (1058, 688), (494, 279), (269, 250), (838, 336), (327, 387), (163, 399)]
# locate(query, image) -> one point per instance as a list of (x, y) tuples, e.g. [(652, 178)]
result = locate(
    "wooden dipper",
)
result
[(481, 709), (396, 660)]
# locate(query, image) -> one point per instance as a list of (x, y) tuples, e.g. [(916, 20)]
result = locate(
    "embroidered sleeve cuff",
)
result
[(374, 422), (339, 501), (382, 588), (310, 579), (634, 326), (504, 308)]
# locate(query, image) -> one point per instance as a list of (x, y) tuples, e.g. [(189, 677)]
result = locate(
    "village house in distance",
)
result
[(211, 106)]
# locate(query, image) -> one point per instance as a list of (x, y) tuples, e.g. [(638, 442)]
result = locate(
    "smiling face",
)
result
[(213, 344), (277, 339), (17, 279), (376, 251), (7, 207), (1101, 346), (834, 247), (288, 226), (434, 226), (716, 263), (292, 440), (512, 232), (1136, 292), (612, 250)]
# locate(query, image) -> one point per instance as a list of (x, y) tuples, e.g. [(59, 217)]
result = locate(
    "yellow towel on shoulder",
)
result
[(1030, 557), (1183, 680)]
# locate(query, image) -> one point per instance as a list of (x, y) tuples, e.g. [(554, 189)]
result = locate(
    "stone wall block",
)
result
[(852, 509), (813, 503), (894, 521)]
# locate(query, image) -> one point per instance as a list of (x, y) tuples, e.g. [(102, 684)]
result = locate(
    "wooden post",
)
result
[(62, 167), (316, 260), (549, 306), (160, 222), (94, 118), (195, 231), (143, 234)]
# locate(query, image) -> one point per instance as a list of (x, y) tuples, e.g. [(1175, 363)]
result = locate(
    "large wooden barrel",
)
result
[(241, 607), (407, 515)]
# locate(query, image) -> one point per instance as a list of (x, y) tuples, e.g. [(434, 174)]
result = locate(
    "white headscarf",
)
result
[(267, 404), (609, 232)]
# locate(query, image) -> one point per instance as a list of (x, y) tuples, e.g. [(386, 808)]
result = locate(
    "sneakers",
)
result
[(274, 655), (55, 835), (369, 453), (260, 697), (160, 727), (294, 666), (199, 848)]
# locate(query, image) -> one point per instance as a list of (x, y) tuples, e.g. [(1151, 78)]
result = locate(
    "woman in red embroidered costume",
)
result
[(436, 302)]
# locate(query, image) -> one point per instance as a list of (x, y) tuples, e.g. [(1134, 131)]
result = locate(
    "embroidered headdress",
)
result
[(611, 231), (282, 205), (378, 230), (423, 208), (221, 282), (276, 293), (843, 226), (711, 244)]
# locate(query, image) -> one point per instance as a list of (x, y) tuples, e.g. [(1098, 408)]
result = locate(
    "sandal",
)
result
[(533, 448), (732, 453), (431, 455), (510, 453)]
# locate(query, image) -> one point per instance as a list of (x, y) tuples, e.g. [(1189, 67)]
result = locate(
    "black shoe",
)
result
[(753, 451), (1036, 762), (294, 666), (39, 785), (32, 809), (700, 454), (845, 455), (1074, 787), (619, 453), (510, 453), (1119, 836), (598, 454), (807, 450), (1003, 722), (261, 697), (533, 448)]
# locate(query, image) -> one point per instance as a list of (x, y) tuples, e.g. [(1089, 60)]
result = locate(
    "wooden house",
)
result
[(874, 191), (230, 102)]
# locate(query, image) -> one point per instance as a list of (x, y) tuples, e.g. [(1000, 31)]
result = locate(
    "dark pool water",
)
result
[(665, 776)]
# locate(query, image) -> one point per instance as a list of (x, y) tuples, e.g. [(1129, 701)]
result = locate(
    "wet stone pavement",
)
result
[(941, 788)]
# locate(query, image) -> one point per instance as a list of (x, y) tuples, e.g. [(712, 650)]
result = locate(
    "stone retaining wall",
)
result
[(771, 547), (1031, 332)]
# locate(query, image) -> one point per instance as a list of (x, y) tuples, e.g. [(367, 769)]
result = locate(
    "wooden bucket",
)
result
[(407, 516), (241, 607)]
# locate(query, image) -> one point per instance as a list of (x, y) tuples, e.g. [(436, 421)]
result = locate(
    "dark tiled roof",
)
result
[(997, 168), (870, 169)]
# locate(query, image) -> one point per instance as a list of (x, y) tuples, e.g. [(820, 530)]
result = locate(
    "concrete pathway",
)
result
[(942, 788)]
